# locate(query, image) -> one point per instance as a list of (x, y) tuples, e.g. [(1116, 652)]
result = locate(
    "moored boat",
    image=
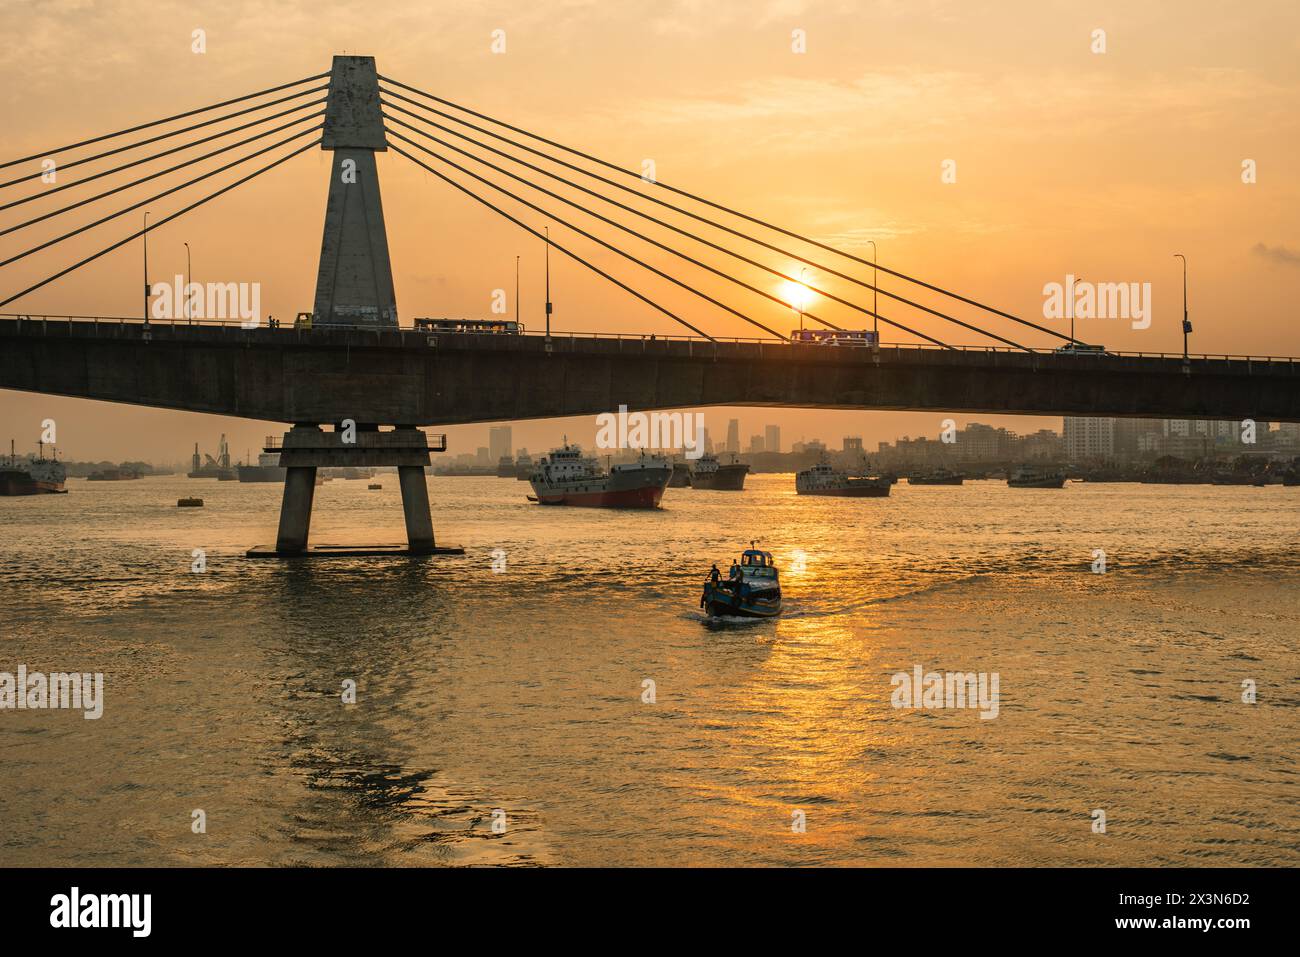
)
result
[(751, 590), (567, 477), (267, 469), (824, 479), (33, 475), (936, 477), (113, 475), (1029, 476), (218, 468), (710, 473)]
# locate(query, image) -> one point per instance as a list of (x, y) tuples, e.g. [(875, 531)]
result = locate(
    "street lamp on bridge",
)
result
[(875, 319), (802, 293), (1187, 324), (548, 283), (145, 236)]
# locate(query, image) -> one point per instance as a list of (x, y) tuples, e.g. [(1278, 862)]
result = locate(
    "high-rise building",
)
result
[(984, 443), (500, 443), (772, 438), (1089, 438), (852, 443), (756, 444), (733, 436)]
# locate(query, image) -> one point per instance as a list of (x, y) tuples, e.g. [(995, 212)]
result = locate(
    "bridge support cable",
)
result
[(167, 119), (604, 219), (162, 222), (552, 243), (190, 162), (726, 209), (168, 135), (157, 196), (596, 239), (167, 152), (890, 295), (679, 230)]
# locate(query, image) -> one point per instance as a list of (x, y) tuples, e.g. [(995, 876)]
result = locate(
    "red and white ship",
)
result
[(567, 477), (34, 475)]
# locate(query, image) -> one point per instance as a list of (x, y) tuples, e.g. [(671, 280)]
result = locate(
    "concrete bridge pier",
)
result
[(306, 448), (295, 509), (415, 506)]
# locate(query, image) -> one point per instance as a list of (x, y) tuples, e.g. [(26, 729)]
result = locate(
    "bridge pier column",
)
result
[(306, 448), (415, 506), (295, 509)]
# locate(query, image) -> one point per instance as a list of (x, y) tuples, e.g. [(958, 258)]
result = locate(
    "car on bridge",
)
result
[(836, 337), (495, 327)]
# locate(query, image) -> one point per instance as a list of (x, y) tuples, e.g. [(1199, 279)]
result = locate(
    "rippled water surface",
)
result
[(522, 691)]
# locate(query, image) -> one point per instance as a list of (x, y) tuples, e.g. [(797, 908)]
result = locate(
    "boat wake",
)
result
[(805, 609), (724, 621)]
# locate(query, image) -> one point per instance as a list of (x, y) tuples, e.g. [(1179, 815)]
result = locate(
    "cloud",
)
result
[(1280, 255)]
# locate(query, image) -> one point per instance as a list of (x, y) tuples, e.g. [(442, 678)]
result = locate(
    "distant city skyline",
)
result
[(1081, 438)]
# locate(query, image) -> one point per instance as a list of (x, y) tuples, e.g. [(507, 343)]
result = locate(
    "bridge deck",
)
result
[(416, 378)]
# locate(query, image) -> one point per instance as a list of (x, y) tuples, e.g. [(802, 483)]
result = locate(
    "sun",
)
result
[(796, 294)]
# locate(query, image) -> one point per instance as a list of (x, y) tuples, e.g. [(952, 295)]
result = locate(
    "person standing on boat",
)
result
[(714, 574)]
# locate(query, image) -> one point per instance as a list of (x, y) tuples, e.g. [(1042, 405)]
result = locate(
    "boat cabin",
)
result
[(757, 564)]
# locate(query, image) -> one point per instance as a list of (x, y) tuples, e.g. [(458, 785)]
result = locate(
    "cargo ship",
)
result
[(936, 477), (113, 475), (267, 469), (681, 476), (33, 475), (1028, 476), (709, 473), (567, 477), (823, 479)]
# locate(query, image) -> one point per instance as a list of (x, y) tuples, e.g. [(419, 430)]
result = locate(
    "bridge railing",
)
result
[(236, 325)]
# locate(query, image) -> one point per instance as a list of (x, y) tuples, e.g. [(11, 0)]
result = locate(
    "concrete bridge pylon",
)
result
[(354, 287)]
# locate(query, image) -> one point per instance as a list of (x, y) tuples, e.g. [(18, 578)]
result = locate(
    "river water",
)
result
[(504, 717)]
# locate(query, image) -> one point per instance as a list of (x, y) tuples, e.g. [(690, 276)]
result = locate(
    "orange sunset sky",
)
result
[(1102, 165)]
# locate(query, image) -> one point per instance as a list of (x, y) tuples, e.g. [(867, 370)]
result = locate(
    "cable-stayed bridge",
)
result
[(357, 362)]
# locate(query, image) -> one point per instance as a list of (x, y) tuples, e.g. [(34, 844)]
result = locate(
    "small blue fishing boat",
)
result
[(751, 590)]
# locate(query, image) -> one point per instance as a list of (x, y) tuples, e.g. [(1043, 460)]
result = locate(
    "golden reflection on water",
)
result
[(522, 692)]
